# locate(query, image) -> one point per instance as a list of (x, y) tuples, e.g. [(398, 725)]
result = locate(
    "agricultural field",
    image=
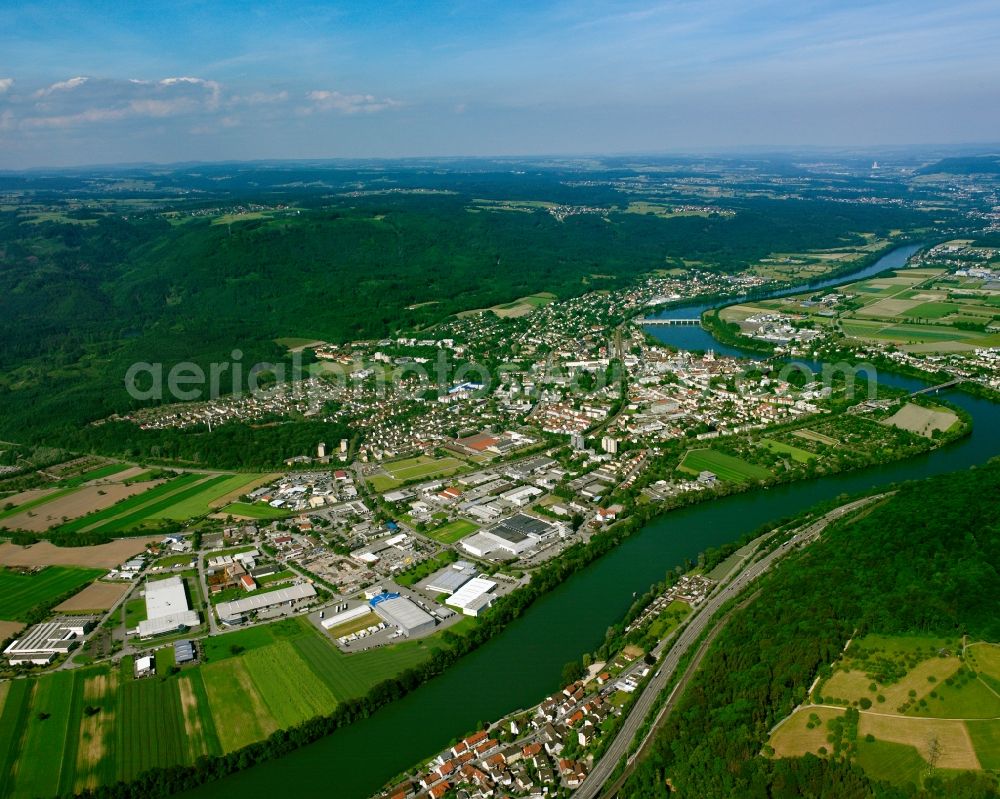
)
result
[(423, 467), (921, 705), (725, 467), (72, 503), (93, 726), (9, 629), (100, 556), (98, 596), (21, 593), (453, 531), (922, 310), (182, 498), (217, 495), (922, 421)]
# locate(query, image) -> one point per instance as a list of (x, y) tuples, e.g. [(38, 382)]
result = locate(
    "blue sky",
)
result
[(99, 82)]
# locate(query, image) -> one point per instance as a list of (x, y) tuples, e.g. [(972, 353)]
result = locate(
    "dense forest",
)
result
[(927, 561), (85, 294)]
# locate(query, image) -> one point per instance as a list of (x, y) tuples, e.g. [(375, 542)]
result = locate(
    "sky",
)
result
[(94, 82)]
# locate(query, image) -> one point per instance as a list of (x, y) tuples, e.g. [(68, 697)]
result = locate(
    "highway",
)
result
[(699, 622)]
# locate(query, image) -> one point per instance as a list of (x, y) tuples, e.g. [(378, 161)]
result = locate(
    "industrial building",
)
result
[(403, 613), (41, 644), (346, 616), (233, 612), (510, 537), (473, 597), (449, 579), (167, 608), (183, 652)]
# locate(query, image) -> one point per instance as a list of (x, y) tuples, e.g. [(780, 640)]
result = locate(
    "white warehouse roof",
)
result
[(466, 595), (167, 608), (231, 610)]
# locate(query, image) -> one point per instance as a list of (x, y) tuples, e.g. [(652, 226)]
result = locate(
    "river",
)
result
[(694, 337), (522, 665)]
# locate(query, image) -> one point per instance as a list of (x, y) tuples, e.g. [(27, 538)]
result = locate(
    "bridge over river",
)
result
[(668, 321)]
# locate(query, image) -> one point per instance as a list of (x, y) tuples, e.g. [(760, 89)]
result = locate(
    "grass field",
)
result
[(199, 726), (800, 455), (985, 659), (95, 753), (672, 616), (237, 708), (13, 716), (150, 726), (20, 593), (892, 762), (453, 531), (202, 502), (422, 467), (795, 737), (131, 504), (931, 310), (922, 421), (985, 736), (169, 507), (725, 467), (46, 737), (291, 690), (71, 730), (918, 699), (258, 510)]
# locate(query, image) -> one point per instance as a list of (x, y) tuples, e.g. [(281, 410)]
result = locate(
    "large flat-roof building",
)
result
[(449, 579), (473, 597), (41, 644), (405, 614), (233, 612), (167, 608), (510, 537)]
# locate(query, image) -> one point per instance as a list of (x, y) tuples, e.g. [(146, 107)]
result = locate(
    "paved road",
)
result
[(592, 786)]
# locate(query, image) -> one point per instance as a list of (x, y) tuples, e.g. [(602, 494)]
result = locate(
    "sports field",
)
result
[(453, 531), (21, 593), (725, 467), (422, 467)]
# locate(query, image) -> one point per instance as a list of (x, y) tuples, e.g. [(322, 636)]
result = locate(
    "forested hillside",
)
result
[(927, 561), (85, 294)]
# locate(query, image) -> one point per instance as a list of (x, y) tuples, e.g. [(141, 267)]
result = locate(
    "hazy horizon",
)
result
[(92, 84)]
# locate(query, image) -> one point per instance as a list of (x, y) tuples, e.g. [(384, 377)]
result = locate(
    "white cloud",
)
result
[(80, 101), (5, 84), (323, 100), (62, 86)]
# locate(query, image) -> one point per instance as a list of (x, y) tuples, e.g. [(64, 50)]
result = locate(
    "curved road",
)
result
[(591, 787)]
